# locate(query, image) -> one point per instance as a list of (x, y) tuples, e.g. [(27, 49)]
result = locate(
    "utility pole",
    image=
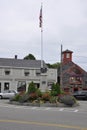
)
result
[(61, 75)]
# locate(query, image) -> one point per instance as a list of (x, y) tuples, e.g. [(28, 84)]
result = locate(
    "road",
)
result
[(14, 117)]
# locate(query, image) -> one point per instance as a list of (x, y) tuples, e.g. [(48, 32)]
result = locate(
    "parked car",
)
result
[(8, 94), (80, 95)]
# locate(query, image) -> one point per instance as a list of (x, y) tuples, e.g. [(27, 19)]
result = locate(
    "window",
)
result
[(7, 72), (6, 86), (21, 86), (26, 72), (72, 79), (77, 80), (38, 72), (68, 55)]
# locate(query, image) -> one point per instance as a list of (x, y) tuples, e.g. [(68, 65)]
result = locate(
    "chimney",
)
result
[(15, 56)]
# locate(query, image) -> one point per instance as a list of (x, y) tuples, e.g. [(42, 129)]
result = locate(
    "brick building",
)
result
[(72, 77)]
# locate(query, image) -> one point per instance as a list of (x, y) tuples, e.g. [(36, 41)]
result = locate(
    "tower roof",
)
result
[(67, 51)]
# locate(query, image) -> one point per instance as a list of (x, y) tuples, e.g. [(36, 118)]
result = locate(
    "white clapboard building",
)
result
[(16, 74)]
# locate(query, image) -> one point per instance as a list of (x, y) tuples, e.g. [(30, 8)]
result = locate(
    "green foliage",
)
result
[(31, 88), (55, 90), (53, 99), (30, 57), (24, 98), (34, 95), (55, 65), (39, 93), (61, 91), (16, 98), (58, 88)]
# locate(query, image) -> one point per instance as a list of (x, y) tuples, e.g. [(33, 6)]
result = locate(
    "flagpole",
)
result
[(41, 26), (42, 44), (42, 87)]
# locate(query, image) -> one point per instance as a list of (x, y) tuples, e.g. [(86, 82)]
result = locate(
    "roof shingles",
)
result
[(7, 62)]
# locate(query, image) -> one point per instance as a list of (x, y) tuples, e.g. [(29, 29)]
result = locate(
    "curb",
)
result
[(42, 105)]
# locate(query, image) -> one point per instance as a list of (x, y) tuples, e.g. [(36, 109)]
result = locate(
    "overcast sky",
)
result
[(64, 22)]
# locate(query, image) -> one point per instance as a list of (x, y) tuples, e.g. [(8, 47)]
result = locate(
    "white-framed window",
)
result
[(38, 72), (68, 55), (26, 72), (7, 72)]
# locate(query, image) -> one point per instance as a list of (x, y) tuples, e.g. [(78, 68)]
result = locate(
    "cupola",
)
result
[(67, 56)]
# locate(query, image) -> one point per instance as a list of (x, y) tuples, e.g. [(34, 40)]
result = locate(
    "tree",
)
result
[(30, 57), (32, 88), (55, 65), (55, 90)]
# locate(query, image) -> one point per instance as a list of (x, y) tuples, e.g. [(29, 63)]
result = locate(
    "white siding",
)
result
[(17, 74)]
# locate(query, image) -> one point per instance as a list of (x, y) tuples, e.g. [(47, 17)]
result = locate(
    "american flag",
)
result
[(40, 18)]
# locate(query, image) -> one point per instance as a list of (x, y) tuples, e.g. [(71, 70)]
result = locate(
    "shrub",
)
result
[(53, 99), (54, 93), (32, 88), (16, 98), (46, 96), (39, 93), (24, 98), (33, 96), (21, 93), (55, 90)]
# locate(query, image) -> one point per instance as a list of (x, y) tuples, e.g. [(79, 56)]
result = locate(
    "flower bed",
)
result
[(53, 98)]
